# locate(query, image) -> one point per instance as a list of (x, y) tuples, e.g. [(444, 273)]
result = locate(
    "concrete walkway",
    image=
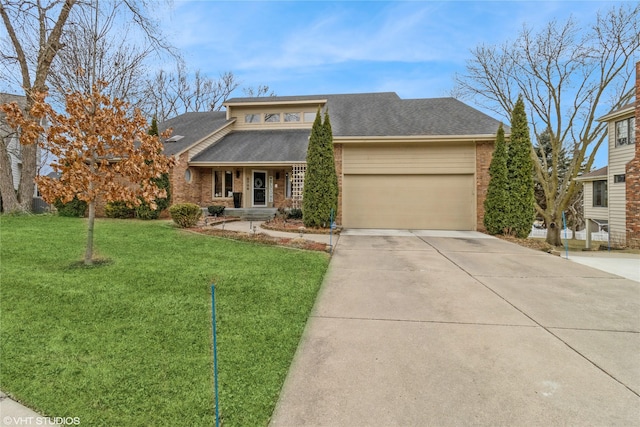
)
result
[(422, 329), (621, 264)]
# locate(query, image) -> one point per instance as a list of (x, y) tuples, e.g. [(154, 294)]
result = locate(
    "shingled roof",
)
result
[(386, 114), (382, 114), (258, 146), (192, 127)]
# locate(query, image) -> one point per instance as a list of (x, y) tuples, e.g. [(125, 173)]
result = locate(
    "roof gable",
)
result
[(193, 127)]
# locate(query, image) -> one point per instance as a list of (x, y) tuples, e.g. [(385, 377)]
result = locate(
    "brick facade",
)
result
[(484, 153), (632, 179)]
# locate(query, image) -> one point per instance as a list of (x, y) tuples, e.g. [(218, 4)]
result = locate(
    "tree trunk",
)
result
[(8, 193), (88, 256), (553, 234), (26, 189)]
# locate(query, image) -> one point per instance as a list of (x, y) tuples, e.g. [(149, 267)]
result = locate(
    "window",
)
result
[(287, 185), (309, 117), (222, 181), (252, 118), (599, 194), (228, 183), (272, 117), (618, 178), (291, 117), (626, 132), (187, 175)]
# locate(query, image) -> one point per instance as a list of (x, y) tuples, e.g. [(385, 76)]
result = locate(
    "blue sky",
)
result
[(413, 48)]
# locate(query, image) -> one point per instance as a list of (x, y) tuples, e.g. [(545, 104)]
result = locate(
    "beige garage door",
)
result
[(435, 202), (409, 186)]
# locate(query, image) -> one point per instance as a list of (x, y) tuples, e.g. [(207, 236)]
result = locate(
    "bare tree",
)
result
[(565, 73), (169, 94), (98, 48), (260, 90), (36, 31)]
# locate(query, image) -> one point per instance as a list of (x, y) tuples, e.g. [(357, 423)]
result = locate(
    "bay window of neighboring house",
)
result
[(626, 132), (600, 194), (222, 184)]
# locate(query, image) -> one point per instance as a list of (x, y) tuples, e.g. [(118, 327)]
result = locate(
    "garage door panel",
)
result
[(435, 158), (409, 201)]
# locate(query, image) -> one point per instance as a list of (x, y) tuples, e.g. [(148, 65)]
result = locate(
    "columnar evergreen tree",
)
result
[(496, 205), (320, 181), (331, 165), (520, 174)]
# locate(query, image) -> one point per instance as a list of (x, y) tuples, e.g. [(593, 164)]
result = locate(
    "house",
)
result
[(11, 138), (612, 194), (401, 163)]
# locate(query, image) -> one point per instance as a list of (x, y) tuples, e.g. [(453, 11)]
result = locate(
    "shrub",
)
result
[(144, 211), (119, 209), (74, 208), (215, 210), (185, 214), (294, 213)]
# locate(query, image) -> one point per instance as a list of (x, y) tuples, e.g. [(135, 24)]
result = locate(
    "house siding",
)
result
[(633, 179), (589, 210), (618, 159)]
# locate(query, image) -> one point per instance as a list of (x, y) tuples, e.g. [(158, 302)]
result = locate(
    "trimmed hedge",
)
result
[(185, 215), (119, 210), (74, 208), (216, 210)]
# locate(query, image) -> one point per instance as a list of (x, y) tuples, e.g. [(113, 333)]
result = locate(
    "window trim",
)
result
[(253, 115), (223, 183), (268, 117), (630, 137), (604, 195), (619, 178)]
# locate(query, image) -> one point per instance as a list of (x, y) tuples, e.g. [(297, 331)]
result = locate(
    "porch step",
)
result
[(251, 214)]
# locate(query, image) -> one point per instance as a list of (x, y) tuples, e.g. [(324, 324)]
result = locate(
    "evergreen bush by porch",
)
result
[(185, 215)]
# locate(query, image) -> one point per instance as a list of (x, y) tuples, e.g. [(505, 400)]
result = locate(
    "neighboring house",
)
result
[(607, 199), (11, 137), (409, 164), (14, 149)]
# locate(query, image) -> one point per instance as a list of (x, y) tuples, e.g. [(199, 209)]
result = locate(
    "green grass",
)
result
[(128, 342)]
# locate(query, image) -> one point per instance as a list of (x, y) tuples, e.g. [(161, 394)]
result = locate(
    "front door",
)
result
[(259, 188)]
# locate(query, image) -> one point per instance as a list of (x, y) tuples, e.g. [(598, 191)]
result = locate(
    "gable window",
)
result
[(272, 117), (252, 118), (600, 194), (222, 183), (626, 132), (291, 117)]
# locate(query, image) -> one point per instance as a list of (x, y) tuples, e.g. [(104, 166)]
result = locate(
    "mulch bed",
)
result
[(290, 242), (294, 225), (538, 245)]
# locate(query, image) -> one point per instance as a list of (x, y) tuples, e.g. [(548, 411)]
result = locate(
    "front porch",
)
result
[(250, 190)]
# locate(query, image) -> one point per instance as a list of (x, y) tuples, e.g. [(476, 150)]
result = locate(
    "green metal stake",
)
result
[(215, 351)]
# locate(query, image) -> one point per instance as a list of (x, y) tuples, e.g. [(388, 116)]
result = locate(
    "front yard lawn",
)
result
[(128, 342)]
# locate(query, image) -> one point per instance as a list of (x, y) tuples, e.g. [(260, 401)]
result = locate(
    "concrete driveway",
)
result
[(419, 329)]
